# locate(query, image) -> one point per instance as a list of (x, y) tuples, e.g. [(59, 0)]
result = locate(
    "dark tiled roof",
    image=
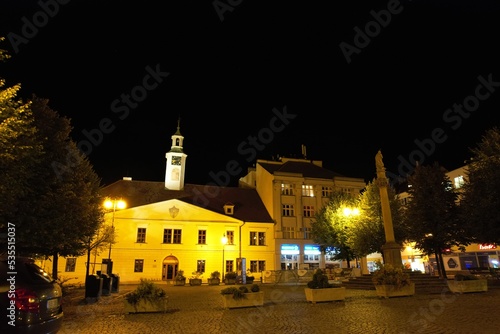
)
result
[(247, 204), (306, 169)]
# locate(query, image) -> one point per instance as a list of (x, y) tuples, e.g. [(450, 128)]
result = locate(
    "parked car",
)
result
[(30, 298)]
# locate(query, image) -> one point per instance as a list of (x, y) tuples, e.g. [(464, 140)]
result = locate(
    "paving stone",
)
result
[(199, 309)]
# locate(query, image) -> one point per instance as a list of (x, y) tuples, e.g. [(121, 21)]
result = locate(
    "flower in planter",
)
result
[(197, 274), (387, 274), (180, 276)]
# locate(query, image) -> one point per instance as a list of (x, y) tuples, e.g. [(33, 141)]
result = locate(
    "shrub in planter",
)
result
[(236, 297), (320, 290), (147, 297)]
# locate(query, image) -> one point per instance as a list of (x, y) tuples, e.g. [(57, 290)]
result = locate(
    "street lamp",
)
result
[(224, 242), (113, 204)]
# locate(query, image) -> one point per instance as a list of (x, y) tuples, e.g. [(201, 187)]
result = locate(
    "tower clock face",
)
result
[(176, 160)]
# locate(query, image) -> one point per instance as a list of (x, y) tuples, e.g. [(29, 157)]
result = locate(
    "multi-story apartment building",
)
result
[(293, 190)]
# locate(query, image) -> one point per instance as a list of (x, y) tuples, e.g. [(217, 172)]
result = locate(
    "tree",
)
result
[(331, 226), (19, 152), (64, 210), (367, 235), (431, 216), (480, 200)]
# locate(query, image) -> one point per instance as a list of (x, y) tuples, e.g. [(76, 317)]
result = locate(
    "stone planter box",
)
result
[(388, 291), (479, 285), (195, 281), (324, 295), (144, 306), (251, 299), (230, 281), (180, 282), (213, 281)]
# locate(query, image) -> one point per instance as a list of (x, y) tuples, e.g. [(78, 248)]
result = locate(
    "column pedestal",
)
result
[(392, 254)]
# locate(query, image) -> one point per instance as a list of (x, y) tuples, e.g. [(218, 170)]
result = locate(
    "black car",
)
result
[(30, 298)]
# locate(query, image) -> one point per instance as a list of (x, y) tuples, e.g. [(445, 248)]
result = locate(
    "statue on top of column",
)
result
[(378, 161)]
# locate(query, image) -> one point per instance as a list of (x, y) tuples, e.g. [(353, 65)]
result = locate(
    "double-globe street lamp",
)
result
[(113, 204)]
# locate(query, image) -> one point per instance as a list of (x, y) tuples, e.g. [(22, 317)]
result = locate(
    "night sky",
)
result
[(415, 79)]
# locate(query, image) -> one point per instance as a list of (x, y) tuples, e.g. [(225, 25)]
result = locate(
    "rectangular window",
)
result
[(70, 264), (229, 266), (262, 265), (349, 191), (326, 191), (141, 234), (139, 266), (167, 236), (200, 266), (288, 232), (287, 189), (177, 236), (308, 211), (287, 210), (171, 236), (202, 237), (458, 182), (257, 238), (257, 266), (307, 232), (230, 237), (307, 190)]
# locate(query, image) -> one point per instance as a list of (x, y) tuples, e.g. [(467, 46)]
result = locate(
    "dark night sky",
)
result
[(227, 76)]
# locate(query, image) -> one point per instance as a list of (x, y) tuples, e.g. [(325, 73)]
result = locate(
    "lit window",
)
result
[(307, 190), (458, 182), (287, 189), (257, 238)]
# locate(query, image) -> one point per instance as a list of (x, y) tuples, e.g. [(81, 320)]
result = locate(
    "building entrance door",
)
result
[(170, 268)]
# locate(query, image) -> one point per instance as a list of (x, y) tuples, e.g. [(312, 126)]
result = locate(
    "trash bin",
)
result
[(106, 284), (93, 287), (115, 285)]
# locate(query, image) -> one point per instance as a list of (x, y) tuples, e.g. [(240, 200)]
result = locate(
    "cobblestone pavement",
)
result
[(199, 309)]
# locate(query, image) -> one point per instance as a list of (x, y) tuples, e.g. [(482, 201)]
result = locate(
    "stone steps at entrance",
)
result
[(424, 283)]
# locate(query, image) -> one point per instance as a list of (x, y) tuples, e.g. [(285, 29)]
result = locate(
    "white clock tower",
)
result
[(176, 162)]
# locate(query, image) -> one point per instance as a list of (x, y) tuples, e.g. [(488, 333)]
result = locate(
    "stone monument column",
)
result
[(391, 249)]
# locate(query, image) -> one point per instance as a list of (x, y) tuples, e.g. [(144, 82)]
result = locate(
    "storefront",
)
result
[(290, 254)]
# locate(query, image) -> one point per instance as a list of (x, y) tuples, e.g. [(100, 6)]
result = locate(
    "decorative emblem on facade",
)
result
[(173, 211)]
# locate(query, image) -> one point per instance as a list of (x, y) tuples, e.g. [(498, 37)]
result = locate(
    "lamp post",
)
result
[(113, 204), (224, 242)]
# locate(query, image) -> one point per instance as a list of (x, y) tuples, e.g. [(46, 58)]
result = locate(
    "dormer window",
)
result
[(229, 208)]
